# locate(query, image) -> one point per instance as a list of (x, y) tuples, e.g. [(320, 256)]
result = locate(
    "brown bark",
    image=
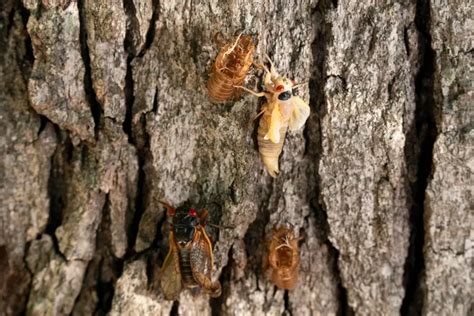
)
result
[(105, 113)]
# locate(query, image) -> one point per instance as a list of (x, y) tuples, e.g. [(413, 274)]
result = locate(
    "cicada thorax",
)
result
[(283, 258), (230, 69), (270, 151)]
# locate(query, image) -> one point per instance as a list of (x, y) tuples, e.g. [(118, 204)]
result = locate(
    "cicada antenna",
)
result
[(203, 215), (220, 226), (299, 85), (169, 209)]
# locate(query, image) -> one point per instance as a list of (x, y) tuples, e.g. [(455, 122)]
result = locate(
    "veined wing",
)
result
[(201, 259), (170, 272)]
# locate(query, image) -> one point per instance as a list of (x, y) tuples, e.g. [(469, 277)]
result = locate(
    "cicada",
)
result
[(189, 262), (230, 69), (282, 110), (283, 258)]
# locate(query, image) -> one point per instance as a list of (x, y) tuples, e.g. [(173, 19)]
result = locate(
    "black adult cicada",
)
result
[(190, 260)]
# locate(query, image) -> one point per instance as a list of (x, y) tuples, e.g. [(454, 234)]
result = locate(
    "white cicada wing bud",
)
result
[(299, 115)]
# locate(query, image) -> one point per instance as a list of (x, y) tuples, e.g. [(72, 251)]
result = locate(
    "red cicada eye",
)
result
[(279, 88), (192, 212), (171, 212)]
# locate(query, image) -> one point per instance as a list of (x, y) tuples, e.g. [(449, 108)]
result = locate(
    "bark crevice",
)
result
[(217, 303), (26, 62), (132, 25), (91, 96), (57, 185), (129, 99), (287, 303), (321, 42), (150, 34), (419, 155)]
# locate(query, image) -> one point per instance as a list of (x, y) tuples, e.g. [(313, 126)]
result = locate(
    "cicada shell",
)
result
[(283, 258), (189, 262), (230, 69)]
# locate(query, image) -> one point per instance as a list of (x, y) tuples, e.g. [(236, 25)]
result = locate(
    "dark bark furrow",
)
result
[(150, 34), (139, 204), (22, 308), (129, 99), (132, 26), (323, 36), (26, 62), (419, 154), (217, 303), (91, 96), (287, 303)]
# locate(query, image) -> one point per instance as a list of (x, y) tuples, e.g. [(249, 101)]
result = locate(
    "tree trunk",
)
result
[(105, 113)]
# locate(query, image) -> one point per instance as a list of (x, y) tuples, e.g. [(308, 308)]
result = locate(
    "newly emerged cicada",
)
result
[(283, 258), (189, 262), (230, 69), (282, 110)]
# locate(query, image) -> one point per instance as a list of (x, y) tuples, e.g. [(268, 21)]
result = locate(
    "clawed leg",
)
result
[(267, 77), (259, 113), (261, 66), (257, 94)]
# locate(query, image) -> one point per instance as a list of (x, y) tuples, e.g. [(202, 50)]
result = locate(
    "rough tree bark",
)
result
[(104, 112)]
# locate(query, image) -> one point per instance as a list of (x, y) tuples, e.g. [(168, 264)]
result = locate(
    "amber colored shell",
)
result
[(283, 258), (230, 69)]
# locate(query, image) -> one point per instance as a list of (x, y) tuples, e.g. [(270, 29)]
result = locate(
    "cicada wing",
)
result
[(171, 273), (276, 123), (201, 260), (299, 115)]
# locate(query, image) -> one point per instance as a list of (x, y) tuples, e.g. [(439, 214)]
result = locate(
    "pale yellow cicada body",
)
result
[(282, 111)]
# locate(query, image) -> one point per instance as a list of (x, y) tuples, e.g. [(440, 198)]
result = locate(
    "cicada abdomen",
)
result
[(230, 69), (283, 258), (270, 151)]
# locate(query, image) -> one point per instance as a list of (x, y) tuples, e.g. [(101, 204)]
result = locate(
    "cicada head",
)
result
[(184, 224), (283, 88)]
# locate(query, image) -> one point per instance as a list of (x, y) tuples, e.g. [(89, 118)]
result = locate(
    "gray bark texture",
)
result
[(104, 113)]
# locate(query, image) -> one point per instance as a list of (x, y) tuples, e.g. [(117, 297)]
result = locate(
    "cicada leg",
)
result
[(257, 94)]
